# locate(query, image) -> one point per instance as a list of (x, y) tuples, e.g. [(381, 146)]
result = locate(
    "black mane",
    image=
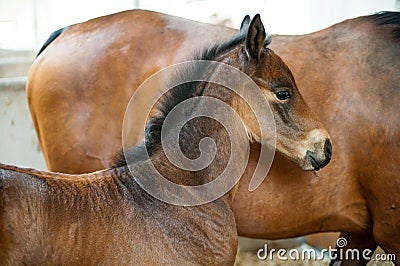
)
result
[(175, 96), (388, 18)]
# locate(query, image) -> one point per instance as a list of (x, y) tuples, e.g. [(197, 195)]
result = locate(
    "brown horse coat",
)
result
[(348, 73), (107, 218)]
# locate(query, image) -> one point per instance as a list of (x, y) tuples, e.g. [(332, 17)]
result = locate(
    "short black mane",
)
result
[(175, 96), (388, 18)]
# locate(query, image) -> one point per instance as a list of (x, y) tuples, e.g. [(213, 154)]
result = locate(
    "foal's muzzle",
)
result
[(317, 161)]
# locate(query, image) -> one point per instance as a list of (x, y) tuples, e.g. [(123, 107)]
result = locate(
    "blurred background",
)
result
[(26, 24)]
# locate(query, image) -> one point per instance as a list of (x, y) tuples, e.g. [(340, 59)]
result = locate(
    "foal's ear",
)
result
[(245, 24), (255, 38)]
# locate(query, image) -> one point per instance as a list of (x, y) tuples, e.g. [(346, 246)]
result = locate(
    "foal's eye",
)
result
[(283, 95)]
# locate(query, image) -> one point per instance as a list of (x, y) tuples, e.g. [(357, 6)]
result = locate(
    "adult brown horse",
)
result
[(349, 73), (108, 218)]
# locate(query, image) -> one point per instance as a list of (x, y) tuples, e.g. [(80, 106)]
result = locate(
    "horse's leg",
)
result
[(355, 241)]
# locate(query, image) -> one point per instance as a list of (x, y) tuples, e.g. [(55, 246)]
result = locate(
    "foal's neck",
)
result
[(195, 141), (202, 143)]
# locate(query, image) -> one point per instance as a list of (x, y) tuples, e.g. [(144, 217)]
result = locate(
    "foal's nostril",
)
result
[(316, 159), (328, 149)]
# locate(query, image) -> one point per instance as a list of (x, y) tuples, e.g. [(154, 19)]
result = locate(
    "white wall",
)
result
[(26, 24), (18, 141), (16, 24)]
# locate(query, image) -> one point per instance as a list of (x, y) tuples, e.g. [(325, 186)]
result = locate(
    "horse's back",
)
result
[(45, 221), (48, 219), (92, 68)]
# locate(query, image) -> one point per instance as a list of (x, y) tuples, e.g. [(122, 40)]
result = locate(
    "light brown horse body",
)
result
[(348, 73), (107, 218)]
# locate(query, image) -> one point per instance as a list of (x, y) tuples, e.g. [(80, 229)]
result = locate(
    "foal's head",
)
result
[(300, 136)]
